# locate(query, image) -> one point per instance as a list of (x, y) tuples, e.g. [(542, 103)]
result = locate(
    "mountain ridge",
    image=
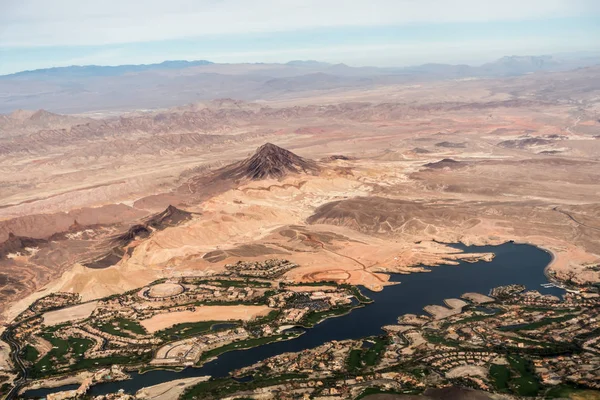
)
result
[(531, 61), (79, 89), (107, 70)]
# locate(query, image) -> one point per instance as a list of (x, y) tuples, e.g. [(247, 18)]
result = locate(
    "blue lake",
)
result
[(513, 264)]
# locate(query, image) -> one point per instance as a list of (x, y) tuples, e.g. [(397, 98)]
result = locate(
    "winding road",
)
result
[(365, 268), (14, 354), (574, 219)]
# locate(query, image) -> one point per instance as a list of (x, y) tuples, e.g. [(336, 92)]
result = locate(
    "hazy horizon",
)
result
[(556, 56), (382, 33)]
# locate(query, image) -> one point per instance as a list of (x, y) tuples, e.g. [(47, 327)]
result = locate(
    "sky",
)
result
[(49, 33)]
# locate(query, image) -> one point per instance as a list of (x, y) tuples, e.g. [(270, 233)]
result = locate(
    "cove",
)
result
[(513, 264)]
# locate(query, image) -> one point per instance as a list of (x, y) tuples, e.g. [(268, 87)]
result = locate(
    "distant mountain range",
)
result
[(101, 70), (90, 88)]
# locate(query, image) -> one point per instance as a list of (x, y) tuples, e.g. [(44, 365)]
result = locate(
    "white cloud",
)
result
[(26, 23)]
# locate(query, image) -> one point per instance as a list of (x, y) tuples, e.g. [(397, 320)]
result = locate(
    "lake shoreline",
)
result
[(513, 263)]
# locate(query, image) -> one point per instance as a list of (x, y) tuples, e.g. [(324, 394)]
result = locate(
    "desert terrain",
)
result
[(376, 184), (351, 184), (344, 184)]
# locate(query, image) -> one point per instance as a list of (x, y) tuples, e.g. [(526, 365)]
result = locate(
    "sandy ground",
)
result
[(237, 217), (467, 370), (567, 259), (204, 313), (165, 290), (91, 284), (477, 298), (5, 363), (496, 194), (168, 390), (366, 260), (80, 311), (440, 312), (586, 395), (455, 306), (415, 339), (298, 289), (42, 346), (78, 378)]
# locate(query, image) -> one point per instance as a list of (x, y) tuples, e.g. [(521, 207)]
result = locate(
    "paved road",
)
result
[(15, 355)]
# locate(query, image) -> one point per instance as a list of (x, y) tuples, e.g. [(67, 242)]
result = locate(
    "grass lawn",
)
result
[(500, 375), (75, 347), (437, 339), (190, 329), (121, 360), (30, 354), (373, 391), (354, 362), (55, 356), (242, 344), (374, 353), (79, 346), (315, 317), (518, 364), (527, 384), (366, 357), (123, 327), (544, 322), (358, 294)]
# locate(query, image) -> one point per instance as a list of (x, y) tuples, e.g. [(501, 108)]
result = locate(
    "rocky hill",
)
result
[(269, 161), (22, 122)]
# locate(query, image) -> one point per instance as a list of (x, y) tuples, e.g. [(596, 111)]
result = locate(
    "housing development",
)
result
[(510, 341)]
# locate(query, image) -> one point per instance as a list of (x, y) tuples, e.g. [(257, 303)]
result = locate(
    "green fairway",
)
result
[(373, 354), (243, 344), (30, 354), (190, 329), (500, 375), (62, 350), (354, 362), (527, 384), (123, 327)]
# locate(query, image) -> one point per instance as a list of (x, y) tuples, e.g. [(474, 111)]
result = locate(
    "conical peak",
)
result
[(270, 148), (171, 209), (269, 161), (169, 217)]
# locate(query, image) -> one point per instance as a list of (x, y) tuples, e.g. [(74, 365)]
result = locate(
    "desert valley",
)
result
[(119, 227)]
